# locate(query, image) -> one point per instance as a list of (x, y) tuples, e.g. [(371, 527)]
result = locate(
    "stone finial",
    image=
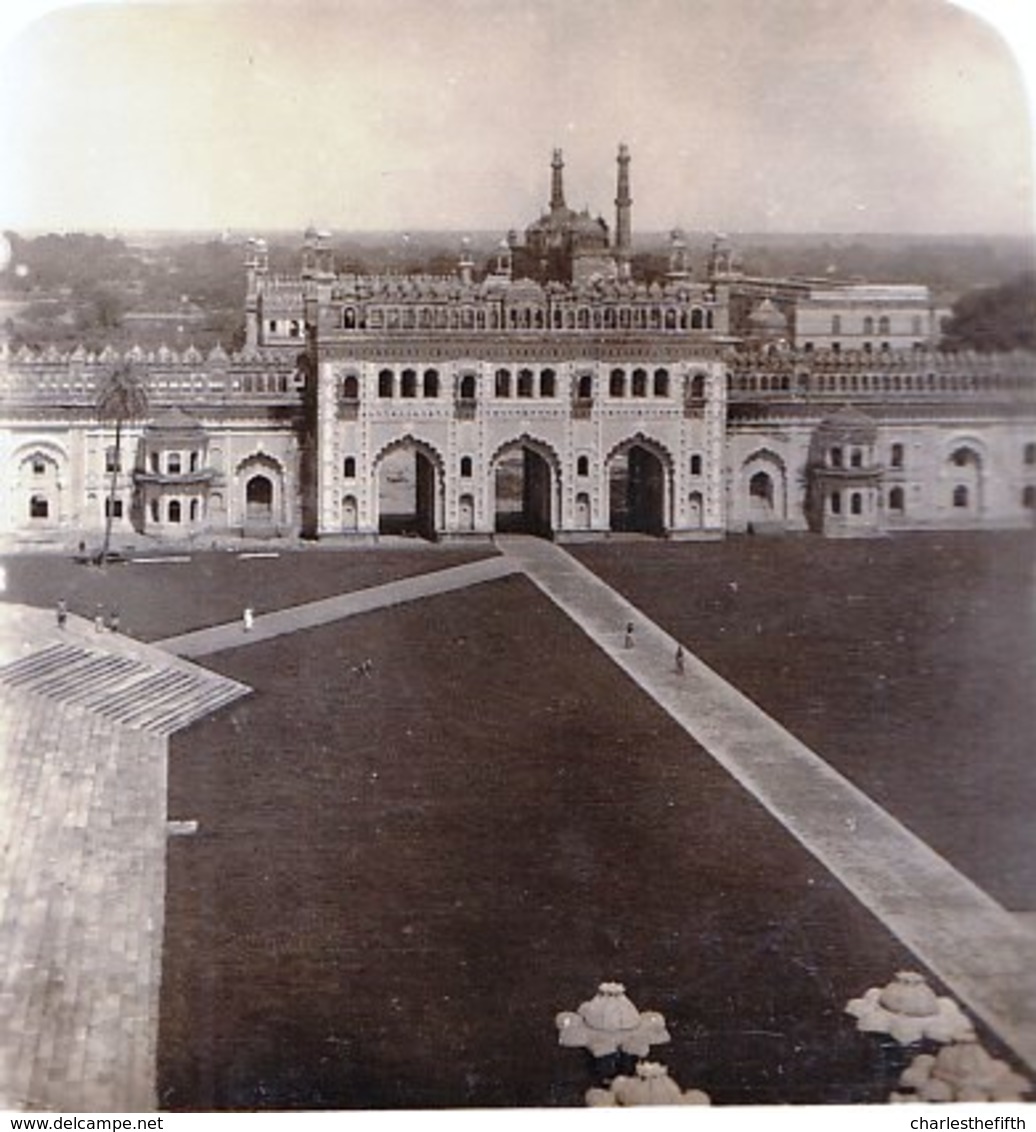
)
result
[(909, 1010), (962, 1072), (651, 1085), (609, 1023)]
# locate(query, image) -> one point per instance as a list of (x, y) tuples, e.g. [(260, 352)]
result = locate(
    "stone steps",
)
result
[(155, 694)]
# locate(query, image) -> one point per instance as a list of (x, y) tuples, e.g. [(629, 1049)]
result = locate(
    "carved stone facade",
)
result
[(458, 406)]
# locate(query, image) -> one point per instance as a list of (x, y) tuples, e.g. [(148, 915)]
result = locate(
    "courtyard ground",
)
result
[(398, 880)]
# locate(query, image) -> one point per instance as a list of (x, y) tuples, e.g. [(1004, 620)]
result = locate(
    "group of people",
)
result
[(103, 620), (678, 659)]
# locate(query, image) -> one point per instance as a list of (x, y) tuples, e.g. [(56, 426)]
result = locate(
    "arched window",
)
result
[(503, 383), (856, 458), (960, 496), (962, 457), (698, 387), (639, 383), (467, 387), (583, 466), (896, 456), (585, 388), (173, 513), (349, 468), (856, 503), (39, 507), (408, 385), (836, 457), (385, 383), (617, 383), (348, 319), (836, 503), (696, 465), (661, 383), (111, 462), (465, 467), (883, 324), (350, 387), (525, 383), (697, 318), (548, 383), (896, 500), (194, 510), (431, 383), (172, 463)]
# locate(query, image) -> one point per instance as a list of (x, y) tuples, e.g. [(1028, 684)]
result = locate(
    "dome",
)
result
[(766, 316), (174, 422), (848, 426)]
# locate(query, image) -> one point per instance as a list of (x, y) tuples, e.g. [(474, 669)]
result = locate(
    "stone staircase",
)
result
[(148, 695)]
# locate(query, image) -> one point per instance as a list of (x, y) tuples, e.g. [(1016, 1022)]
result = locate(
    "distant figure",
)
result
[(733, 587), (678, 662), (62, 613), (628, 641), (99, 619), (113, 621), (248, 618), (367, 667)]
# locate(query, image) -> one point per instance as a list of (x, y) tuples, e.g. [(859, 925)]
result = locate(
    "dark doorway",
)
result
[(259, 500), (406, 494), (523, 482), (636, 484)]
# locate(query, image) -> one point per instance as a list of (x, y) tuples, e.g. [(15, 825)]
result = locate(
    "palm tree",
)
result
[(121, 397)]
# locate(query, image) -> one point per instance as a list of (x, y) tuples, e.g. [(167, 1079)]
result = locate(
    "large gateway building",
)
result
[(548, 390)]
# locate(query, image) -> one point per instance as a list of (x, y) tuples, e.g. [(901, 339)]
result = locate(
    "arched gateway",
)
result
[(524, 485)]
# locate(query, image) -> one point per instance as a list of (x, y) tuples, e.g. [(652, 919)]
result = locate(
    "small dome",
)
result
[(766, 316), (849, 426)]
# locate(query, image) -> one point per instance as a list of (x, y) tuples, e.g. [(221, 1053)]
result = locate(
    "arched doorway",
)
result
[(350, 516), (466, 513), (258, 500), (636, 490), (523, 481), (407, 491), (760, 498)]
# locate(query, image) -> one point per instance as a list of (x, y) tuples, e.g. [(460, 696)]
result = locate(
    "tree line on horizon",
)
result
[(97, 290)]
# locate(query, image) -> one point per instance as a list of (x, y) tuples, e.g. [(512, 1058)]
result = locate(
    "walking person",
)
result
[(62, 612), (678, 661), (628, 640), (113, 621), (248, 618), (99, 619)]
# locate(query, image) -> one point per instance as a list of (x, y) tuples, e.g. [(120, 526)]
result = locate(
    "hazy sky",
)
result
[(759, 115)]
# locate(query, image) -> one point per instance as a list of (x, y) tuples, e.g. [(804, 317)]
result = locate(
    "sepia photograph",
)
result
[(517, 577)]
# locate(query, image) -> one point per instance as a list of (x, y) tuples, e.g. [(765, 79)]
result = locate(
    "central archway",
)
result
[(636, 489), (524, 478), (407, 478)]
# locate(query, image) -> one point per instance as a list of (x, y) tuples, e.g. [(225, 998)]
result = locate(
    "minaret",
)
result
[(623, 203), (557, 191)]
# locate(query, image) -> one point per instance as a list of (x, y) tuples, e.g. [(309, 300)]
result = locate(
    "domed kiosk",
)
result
[(844, 477)]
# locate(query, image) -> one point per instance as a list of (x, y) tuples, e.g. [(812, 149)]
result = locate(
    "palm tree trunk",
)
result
[(111, 492)]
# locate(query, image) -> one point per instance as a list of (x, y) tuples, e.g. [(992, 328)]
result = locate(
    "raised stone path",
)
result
[(983, 954), (206, 641), (83, 828), (84, 720)]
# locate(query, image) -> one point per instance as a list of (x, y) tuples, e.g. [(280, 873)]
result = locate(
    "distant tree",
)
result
[(122, 397), (995, 318)]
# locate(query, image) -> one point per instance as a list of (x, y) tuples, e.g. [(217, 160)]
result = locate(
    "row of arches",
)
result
[(526, 316)]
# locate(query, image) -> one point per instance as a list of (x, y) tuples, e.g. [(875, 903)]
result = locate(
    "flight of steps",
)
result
[(149, 695)]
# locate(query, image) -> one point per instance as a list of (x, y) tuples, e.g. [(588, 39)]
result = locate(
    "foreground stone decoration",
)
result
[(909, 1010), (962, 1072), (651, 1085), (609, 1023)]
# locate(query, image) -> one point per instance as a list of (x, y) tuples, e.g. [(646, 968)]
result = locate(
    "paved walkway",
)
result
[(84, 718), (983, 954), (206, 641), (83, 828)]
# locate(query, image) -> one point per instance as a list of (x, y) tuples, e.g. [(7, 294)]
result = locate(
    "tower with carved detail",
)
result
[(623, 214)]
